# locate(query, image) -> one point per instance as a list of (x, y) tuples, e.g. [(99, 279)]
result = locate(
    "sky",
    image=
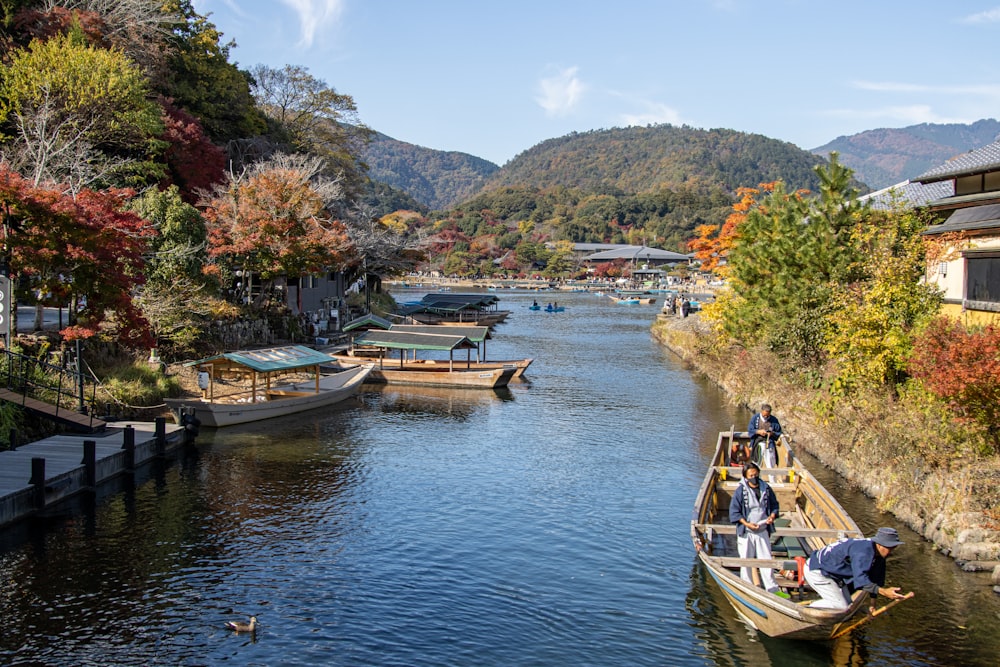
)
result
[(493, 79)]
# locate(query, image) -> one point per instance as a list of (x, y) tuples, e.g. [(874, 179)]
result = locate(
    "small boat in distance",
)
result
[(809, 519), (251, 385)]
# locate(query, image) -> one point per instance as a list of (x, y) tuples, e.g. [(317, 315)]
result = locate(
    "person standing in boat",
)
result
[(754, 508), (839, 569), (764, 431)]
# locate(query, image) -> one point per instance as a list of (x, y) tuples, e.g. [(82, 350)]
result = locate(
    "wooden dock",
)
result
[(40, 474)]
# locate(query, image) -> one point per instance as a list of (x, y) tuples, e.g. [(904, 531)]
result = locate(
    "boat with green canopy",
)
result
[(250, 385), (434, 372)]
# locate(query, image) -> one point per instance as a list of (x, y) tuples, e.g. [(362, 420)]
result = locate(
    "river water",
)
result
[(546, 524)]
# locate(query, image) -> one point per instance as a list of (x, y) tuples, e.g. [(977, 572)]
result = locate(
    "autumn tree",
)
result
[(140, 29), (193, 162), (791, 253), (80, 114), (85, 251), (961, 366), (200, 79), (274, 220), (317, 118), (872, 319)]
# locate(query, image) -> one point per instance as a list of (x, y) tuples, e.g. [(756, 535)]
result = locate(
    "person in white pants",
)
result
[(839, 569), (754, 508)]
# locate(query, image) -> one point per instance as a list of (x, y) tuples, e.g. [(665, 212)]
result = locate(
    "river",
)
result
[(546, 524)]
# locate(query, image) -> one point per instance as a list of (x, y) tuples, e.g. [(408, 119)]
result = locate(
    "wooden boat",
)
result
[(247, 386), (809, 519), (439, 373), (441, 376), (476, 334)]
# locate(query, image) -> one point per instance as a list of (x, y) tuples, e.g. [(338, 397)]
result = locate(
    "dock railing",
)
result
[(68, 392)]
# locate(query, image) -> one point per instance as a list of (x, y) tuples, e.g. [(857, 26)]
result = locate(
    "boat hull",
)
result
[(283, 400), (520, 365), (442, 377)]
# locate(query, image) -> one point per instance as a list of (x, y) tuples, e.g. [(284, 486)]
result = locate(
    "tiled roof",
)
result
[(909, 194), (969, 219), (978, 161)]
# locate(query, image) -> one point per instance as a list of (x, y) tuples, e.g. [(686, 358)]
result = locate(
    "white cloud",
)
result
[(655, 114), (989, 16), (561, 93), (315, 15), (988, 90), (908, 115)]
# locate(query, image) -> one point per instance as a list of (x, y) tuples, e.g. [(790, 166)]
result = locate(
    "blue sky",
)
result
[(495, 78)]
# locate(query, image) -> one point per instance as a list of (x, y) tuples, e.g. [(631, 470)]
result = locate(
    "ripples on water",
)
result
[(546, 524)]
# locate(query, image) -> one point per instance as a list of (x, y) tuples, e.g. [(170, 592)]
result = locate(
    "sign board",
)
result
[(5, 308)]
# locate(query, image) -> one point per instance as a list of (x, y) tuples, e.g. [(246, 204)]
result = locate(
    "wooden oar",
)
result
[(872, 615)]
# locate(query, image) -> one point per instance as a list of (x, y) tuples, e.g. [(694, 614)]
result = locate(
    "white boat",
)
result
[(247, 386)]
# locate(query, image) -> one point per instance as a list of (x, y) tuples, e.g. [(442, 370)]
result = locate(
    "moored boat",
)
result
[(248, 386), (438, 372), (809, 519)]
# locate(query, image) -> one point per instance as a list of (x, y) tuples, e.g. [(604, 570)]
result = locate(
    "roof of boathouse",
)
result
[(286, 358), (369, 321), (476, 334), (447, 302), (404, 340)]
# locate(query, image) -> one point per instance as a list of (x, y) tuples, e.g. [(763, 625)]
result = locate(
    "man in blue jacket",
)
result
[(753, 509), (764, 429), (839, 569)]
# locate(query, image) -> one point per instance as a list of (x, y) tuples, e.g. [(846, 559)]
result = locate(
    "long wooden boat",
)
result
[(248, 386), (519, 365), (441, 376), (478, 335), (441, 373), (810, 518)]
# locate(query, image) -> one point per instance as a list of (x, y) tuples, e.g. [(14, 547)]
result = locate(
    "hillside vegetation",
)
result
[(884, 157), (436, 179), (643, 159)]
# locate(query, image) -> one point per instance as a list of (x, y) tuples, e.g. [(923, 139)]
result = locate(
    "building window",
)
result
[(967, 185), (982, 280), (992, 181)]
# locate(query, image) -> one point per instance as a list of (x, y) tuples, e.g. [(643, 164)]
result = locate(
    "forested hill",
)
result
[(644, 159), (437, 179), (884, 157)]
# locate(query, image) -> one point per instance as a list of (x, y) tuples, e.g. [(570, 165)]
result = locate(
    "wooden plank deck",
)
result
[(66, 473), (83, 422)]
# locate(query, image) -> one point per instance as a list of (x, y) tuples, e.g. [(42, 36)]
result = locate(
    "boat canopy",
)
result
[(268, 360), (403, 340), (476, 334), (368, 320)]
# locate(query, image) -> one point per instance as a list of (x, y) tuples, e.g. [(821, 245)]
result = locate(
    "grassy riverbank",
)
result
[(892, 448)]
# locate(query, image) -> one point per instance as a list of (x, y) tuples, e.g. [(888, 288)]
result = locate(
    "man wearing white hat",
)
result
[(839, 569)]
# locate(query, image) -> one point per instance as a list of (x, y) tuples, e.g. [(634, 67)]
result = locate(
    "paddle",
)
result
[(872, 615)]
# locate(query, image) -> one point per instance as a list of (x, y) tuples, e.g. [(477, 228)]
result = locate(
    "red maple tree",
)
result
[(961, 365), (85, 251)]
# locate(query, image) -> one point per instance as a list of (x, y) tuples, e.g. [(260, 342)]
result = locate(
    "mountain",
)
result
[(437, 179), (884, 157), (645, 159)]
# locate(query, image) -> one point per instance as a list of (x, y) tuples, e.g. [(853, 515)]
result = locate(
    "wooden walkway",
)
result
[(84, 423), (37, 475)]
